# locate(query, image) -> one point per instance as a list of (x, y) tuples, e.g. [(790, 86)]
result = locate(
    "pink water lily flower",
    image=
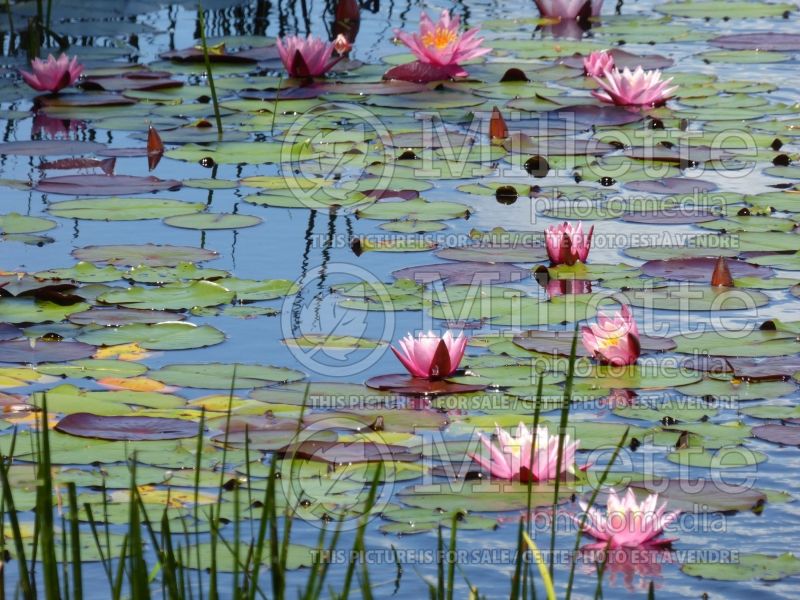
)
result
[(53, 74), (566, 244), (522, 458), (569, 9), (430, 356), (307, 57), (613, 340), (597, 63), (628, 524), (442, 45), (634, 88)]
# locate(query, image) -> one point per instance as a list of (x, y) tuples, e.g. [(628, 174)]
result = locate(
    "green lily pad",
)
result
[(724, 458), (248, 290), (177, 335), (210, 221), (478, 496), (721, 9), (640, 376), (730, 392), (93, 368), (671, 409), (181, 272), (414, 210), (219, 376), (30, 310), (746, 567), (232, 153), (695, 297), (15, 223), (171, 296), (69, 399), (754, 343), (122, 209), (84, 272)]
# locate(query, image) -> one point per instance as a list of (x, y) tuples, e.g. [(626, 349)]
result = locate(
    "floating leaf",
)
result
[(157, 336), (102, 185), (173, 296), (40, 351), (122, 209), (219, 376), (154, 255), (746, 567), (212, 221), (125, 427)]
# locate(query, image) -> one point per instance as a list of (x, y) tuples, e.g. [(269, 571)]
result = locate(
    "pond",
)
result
[(201, 287)]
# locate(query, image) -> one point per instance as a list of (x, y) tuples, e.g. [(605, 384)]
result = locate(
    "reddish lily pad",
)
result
[(125, 427), (786, 435), (402, 383), (9, 332), (703, 495), (25, 351), (465, 272), (700, 269), (113, 317), (789, 42), (774, 368), (420, 72), (136, 80), (670, 216), (220, 55), (671, 185), (105, 185), (598, 115), (49, 147), (83, 100)]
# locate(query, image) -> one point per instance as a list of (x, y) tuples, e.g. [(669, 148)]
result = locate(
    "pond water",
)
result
[(299, 260)]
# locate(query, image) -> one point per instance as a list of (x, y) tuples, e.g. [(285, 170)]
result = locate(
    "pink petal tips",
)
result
[(311, 56), (627, 523), (430, 356), (525, 458), (633, 88), (53, 74), (566, 244)]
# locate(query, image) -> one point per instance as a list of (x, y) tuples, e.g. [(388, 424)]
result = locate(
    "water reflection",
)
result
[(53, 128)]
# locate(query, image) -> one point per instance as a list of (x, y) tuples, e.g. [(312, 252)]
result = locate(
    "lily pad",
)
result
[(125, 427), (40, 351), (176, 335), (122, 209), (746, 567), (786, 435), (154, 255), (102, 185), (220, 376), (173, 296), (212, 221), (121, 316)]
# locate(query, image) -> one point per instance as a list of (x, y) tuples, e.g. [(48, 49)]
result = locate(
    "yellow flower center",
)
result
[(606, 342), (440, 38)]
